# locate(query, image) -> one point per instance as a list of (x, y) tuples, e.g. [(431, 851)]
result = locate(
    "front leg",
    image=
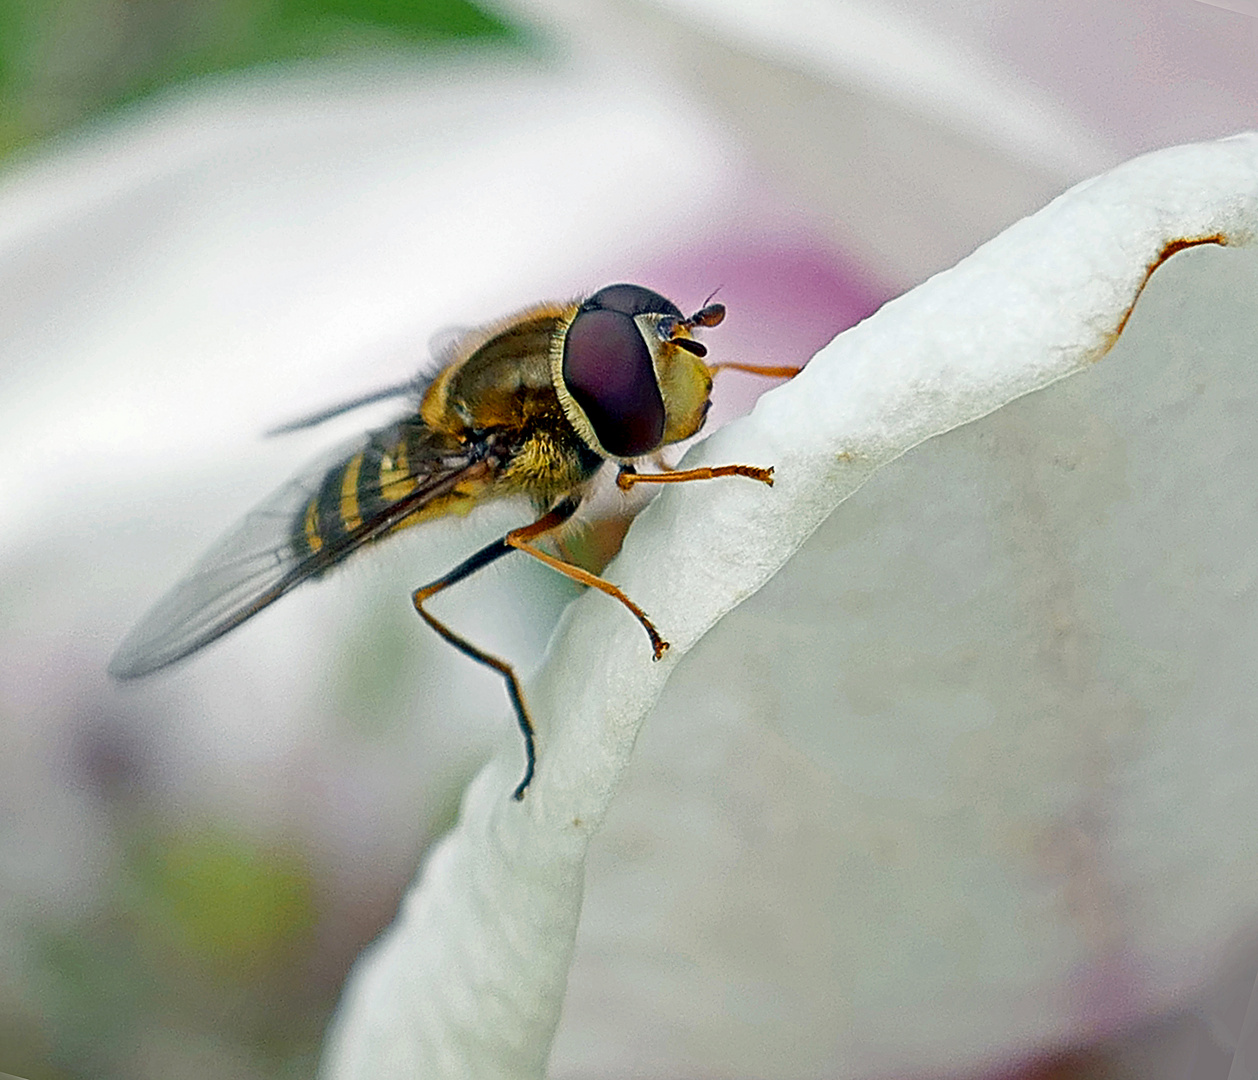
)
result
[(629, 476)]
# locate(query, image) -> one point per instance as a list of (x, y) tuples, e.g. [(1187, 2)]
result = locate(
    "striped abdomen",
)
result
[(361, 490)]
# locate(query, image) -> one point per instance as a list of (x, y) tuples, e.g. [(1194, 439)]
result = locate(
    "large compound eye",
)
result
[(608, 371), (631, 300)]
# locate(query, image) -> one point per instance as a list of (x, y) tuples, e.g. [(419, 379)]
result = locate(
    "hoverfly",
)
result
[(533, 405)]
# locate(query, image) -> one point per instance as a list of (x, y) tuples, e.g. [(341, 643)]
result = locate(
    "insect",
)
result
[(533, 405)]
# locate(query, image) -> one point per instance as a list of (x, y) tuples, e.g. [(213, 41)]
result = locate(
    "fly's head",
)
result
[(629, 373)]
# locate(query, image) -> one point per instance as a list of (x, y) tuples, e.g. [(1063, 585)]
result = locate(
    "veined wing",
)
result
[(385, 481)]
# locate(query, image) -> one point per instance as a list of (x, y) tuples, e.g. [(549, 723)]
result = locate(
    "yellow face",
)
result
[(684, 381)]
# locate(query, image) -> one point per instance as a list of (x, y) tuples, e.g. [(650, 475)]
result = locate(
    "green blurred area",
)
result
[(65, 61), (199, 953), (220, 899)]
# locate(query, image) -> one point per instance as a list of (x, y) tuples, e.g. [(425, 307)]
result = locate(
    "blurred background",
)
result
[(216, 217)]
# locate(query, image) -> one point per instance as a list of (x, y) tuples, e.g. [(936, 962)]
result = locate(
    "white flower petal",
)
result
[(468, 982), (975, 771)]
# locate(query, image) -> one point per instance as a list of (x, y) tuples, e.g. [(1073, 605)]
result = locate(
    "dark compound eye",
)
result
[(608, 371), (631, 300)]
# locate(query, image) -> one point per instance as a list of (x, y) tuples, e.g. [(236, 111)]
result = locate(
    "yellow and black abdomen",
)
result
[(357, 499), (332, 517)]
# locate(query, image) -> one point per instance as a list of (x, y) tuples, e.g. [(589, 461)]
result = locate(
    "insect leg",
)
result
[(769, 371), (519, 538), (627, 476), (488, 554)]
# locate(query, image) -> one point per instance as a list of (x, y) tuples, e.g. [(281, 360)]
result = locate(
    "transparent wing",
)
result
[(269, 552)]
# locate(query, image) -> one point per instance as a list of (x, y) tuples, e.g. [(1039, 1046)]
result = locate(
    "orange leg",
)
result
[(626, 478), (519, 538), (768, 371)]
